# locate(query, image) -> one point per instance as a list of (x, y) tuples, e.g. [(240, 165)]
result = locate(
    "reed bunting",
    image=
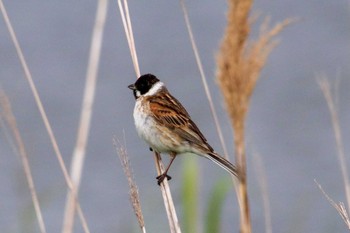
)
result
[(166, 126)]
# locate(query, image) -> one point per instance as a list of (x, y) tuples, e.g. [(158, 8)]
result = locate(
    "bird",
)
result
[(165, 125)]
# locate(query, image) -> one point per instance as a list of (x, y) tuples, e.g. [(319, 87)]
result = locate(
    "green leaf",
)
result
[(216, 201), (189, 195)]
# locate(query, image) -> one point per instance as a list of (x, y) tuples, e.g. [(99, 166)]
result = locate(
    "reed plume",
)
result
[(239, 63), (133, 189)]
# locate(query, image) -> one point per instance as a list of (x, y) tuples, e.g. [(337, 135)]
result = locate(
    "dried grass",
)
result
[(263, 185), (332, 103), (133, 190), (164, 187), (204, 79), (86, 113), (340, 208), (42, 111), (6, 112), (239, 63)]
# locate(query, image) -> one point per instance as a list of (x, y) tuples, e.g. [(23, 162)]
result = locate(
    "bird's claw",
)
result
[(161, 177)]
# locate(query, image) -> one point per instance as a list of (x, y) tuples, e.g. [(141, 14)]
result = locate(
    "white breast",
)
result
[(146, 128), (141, 119)]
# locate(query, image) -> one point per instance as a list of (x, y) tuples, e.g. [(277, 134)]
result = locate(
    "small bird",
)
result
[(166, 126)]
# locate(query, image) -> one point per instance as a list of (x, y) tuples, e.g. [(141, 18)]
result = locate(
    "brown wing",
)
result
[(169, 112)]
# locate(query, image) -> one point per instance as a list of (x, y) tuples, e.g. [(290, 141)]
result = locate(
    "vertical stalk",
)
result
[(78, 157), (242, 184), (239, 63)]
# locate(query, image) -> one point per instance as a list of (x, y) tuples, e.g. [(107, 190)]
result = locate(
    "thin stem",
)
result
[(340, 208), (167, 198), (124, 13), (331, 102), (165, 189), (52, 137), (86, 113), (204, 79), (133, 189), (262, 182), (242, 184), (11, 120)]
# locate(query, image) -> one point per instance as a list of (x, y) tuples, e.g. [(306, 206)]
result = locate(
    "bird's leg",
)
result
[(161, 177)]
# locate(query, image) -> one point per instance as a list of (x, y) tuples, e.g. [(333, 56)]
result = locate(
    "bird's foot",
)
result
[(161, 177)]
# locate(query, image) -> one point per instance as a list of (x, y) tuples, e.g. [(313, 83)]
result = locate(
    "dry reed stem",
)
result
[(164, 187), (332, 106), (239, 64), (167, 198), (133, 190), (204, 79), (206, 88), (11, 121), (8, 135), (86, 113), (124, 13), (233, 86), (339, 207), (262, 182), (40, 106)]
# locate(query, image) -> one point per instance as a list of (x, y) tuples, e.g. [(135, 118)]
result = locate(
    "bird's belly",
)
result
[(160, 139)]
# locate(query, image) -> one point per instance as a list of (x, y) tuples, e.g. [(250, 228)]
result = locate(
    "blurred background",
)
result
[(288, 127)]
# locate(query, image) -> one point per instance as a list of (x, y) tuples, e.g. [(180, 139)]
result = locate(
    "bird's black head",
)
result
[(143, 84)]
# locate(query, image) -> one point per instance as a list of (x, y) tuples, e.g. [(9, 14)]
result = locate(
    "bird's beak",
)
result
[(132, 87)]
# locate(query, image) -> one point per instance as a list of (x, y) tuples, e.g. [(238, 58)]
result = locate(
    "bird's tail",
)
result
[(222, 162)]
